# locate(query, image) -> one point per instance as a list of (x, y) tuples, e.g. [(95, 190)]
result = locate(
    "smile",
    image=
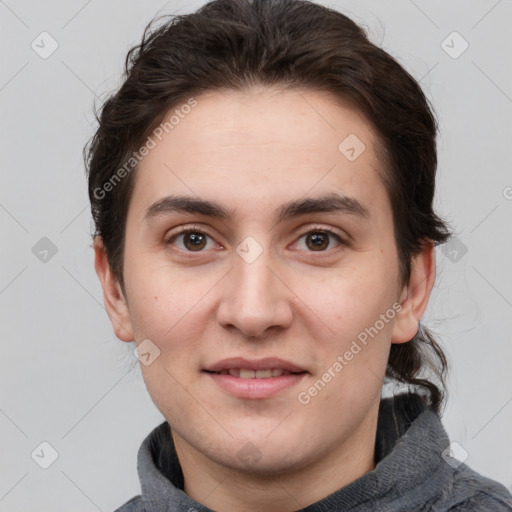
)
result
[(245, 373)]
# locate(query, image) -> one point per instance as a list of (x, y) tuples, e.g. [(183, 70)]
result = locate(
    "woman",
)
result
[(262, 188)]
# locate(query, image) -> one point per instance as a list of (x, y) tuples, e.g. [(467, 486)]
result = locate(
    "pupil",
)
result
[(318, 240), (196, 239)]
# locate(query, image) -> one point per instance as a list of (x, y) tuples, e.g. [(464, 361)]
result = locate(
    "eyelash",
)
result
[(316, 229)]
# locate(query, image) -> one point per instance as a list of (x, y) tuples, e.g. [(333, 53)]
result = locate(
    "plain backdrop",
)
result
[(66, 380)]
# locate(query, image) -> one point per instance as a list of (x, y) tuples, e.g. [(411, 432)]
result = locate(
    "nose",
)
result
[(255, 298)]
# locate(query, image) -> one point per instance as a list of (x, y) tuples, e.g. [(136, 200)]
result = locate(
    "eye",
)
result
[(318, 240), (193, 240)]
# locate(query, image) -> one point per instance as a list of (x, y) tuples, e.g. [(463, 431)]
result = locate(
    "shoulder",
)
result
[(133, 505), (483, 501), (468, 491)]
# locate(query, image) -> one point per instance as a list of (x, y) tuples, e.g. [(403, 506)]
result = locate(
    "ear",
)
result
[(415, 295), (113, 296)]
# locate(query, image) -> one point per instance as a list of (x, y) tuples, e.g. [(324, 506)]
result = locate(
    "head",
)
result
[(265, 114)]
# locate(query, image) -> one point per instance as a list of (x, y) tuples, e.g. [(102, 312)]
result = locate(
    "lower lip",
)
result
[(255, 388)]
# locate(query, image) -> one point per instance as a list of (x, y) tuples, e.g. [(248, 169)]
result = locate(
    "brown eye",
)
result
[(191, 240), (317, 241), (196, 241), (321, 240)]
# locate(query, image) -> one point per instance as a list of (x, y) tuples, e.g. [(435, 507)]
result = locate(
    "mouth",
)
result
[(246, 373), (251, 379), (243, 368)]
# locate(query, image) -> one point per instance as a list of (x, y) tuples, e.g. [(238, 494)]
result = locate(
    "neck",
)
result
[(230, 490)]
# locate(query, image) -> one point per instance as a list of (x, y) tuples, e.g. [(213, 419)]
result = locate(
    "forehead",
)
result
[(262, 145)]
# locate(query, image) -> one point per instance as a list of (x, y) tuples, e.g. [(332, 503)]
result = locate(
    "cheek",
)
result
[(353, 360), (167, 315), (160, 297), (353, 352), (351, 299)]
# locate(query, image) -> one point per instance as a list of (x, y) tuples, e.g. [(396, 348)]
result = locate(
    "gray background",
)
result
[(65, 379)]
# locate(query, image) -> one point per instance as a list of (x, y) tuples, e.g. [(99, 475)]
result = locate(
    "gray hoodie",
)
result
[(414, 471)]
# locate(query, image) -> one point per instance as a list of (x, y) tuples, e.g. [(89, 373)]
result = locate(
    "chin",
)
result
[(266, 452), (265, 463)]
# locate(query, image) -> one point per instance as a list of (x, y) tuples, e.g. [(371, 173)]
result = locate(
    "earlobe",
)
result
[(113, 296), (415, 295)]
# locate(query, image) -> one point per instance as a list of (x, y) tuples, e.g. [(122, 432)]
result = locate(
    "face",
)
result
[(273, 323)]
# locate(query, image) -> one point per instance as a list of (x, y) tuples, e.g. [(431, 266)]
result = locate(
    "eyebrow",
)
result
[(332, 202)]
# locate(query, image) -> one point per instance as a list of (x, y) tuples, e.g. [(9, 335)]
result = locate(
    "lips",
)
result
[(251, 379), (243, 368), (247, 373)]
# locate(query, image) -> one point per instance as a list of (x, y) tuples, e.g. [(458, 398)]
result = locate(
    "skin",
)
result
[(252, 152)]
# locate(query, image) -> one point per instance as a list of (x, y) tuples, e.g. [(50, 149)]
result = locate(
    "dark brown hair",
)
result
[(234, 44)]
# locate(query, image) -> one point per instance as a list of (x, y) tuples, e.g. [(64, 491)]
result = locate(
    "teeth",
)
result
[(243, 373)]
